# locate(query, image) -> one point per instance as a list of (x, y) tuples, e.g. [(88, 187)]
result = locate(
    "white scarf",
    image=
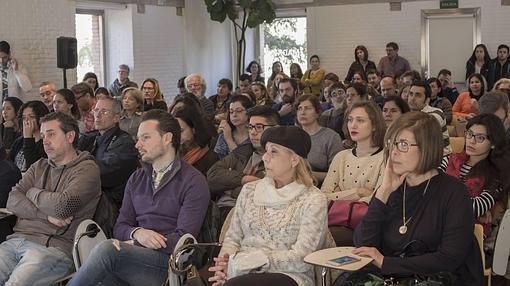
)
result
[(266, 194)]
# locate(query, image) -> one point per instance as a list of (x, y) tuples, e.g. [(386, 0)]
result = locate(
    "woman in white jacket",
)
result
[(277, 221)]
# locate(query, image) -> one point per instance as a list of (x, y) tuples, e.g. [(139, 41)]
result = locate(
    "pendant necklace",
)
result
[(403, 228)]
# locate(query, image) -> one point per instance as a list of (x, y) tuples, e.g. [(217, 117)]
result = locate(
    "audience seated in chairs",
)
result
[(28, 148), (164, 200), (496, 102), (64, 101), (50, 201), (392, 108), (227, 177), (277, 221), (153, 98), (420, 222)]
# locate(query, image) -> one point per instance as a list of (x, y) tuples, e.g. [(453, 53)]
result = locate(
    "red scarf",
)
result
[(195, 154)]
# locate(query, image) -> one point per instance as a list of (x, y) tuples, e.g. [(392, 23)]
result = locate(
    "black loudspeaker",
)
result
[(67, 53)]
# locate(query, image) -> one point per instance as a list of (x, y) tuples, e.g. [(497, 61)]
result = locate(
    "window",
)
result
[(285, 41), (89, 34)]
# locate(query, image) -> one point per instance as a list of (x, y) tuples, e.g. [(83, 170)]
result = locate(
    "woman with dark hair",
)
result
[(361, 63), (326, 143), (358, 76), (276, 68), (132, 110), (27, 149), (480, 62), (195, 140), (233, 131), (153, 97), (483, 165), (466, 105), (255, 71), (393, 108), (9, 176), (419, 228), (64, 101), (181, 101), (438, 100), (10, 128), (90, 79), (101, 92), (295, 72), (312, 79)]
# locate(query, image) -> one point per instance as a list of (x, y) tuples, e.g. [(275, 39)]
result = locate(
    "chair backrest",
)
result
[(479, 239), (83, 243), (502, 247)]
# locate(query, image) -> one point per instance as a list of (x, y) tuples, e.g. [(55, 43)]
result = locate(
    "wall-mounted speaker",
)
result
[(67, 53)]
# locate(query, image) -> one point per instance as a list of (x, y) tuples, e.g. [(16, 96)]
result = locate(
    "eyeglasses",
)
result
[(479, 138), (402, 145), (258, 127), (336, 93), (236, 111), (102, 112)]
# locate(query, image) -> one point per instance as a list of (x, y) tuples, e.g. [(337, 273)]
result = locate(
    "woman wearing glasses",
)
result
[(153, 98), (333, 117), (326, 143), (419, 223), (482, 166), (233, 131), (28, 148), (277, 220)]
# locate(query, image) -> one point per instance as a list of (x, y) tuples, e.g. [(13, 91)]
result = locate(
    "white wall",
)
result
[(32, 27), (118, 41), (208, 45), (334, 31)]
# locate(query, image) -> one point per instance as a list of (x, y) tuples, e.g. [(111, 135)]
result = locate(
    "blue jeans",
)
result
[(131, 265), (27, 263)]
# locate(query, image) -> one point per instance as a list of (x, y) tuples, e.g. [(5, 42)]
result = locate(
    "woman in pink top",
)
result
[(466, 105)]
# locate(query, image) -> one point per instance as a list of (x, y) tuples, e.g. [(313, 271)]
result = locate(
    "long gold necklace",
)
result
[(403, 228)]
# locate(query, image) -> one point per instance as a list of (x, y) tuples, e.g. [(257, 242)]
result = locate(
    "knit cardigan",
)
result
[(285, 233)]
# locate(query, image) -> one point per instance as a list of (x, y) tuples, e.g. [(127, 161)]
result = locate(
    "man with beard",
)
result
[(287, 89)]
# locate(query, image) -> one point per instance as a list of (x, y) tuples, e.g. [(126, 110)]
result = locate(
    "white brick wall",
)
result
[(334, 31), (32, 27)]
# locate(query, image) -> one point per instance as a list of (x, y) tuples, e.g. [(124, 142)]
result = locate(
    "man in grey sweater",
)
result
[(54, 196)]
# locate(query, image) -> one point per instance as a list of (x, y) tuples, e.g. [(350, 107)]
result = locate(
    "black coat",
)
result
[(9, 176), (441, 221), (116, 156), (33, 151)]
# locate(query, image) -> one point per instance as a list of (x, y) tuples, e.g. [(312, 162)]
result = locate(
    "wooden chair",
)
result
[(479, 237)]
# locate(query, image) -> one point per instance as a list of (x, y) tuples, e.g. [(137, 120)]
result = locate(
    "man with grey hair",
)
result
[(195, 84), (47, 90), (121, 82), (114, 151), (496, 102)]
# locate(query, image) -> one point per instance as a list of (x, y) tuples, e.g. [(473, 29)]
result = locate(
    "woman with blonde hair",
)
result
[(132, 107), (153, 97), (277, 220)]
